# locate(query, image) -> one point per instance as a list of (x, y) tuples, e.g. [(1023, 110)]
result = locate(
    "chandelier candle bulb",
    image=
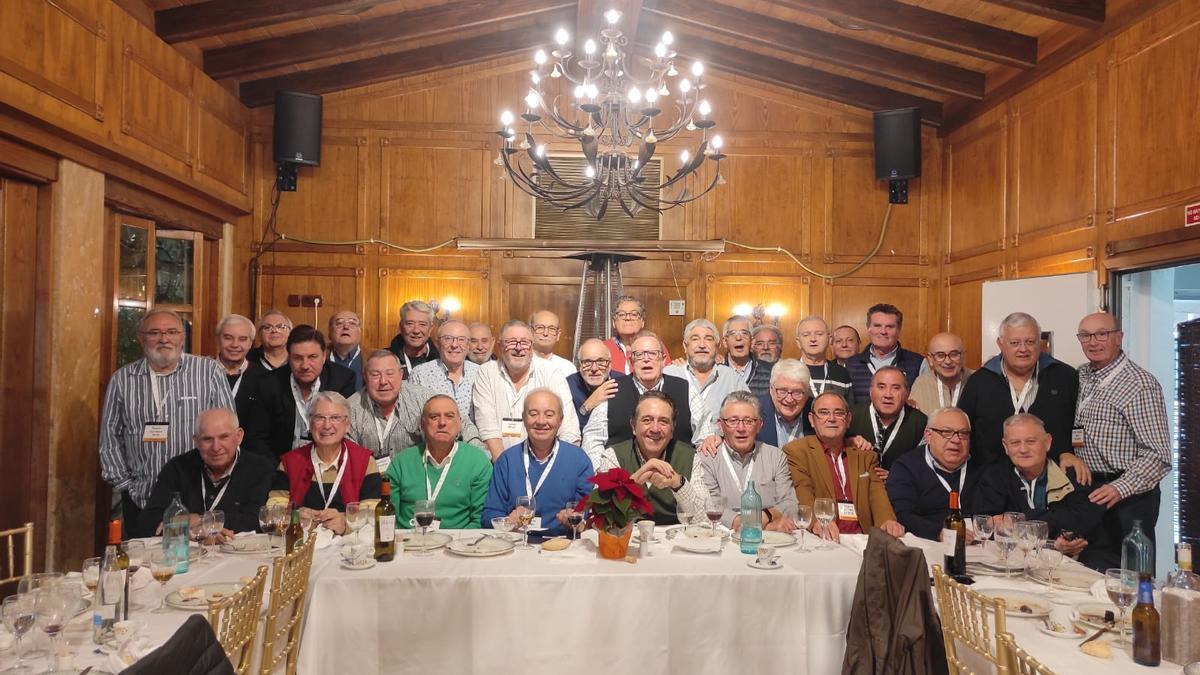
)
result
[(667, 38), (539, 57), (589, 47), (612, 16), (561, 36), (697, 69), (660, 50)]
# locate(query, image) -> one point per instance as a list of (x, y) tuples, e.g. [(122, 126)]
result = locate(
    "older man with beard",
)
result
[(766, 343), (150, 411), (502, 385), (482, 343), (594, 383), (708, 381)]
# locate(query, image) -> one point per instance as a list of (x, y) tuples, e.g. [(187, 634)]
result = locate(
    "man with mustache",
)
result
[(766, 343), (501, 387), (345, 343), (889, 424), (150, 410), (235, 335), (482, 343), (412, 344), (708, 381)]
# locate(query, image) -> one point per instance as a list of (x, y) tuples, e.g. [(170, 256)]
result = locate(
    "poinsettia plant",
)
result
[(616, 501)]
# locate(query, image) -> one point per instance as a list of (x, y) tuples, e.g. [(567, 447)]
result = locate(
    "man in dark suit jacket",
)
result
[(887, 421), (883, 349), (235, 335), (273, 428), (784, 409)]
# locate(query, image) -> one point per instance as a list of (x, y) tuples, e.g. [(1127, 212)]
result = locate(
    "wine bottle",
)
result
[(954, 540), (108, 604), (1182, 577), (385, 525), (294, 533), (1147, 648)]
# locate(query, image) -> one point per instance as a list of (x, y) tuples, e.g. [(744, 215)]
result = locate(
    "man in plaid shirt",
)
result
[(1120, 429)]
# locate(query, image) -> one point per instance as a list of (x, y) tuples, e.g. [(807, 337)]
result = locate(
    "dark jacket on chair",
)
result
[(894, 628), (192, 650)]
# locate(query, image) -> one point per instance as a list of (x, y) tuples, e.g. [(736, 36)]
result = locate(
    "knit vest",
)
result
[(298, 466), (680, 456), (620, 409)]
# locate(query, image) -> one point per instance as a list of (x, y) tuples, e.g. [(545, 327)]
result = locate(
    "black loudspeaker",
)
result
[(298, 128), (898, 144)]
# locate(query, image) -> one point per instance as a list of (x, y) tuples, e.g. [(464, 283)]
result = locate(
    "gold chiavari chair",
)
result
[(234, 619), (285, 609), (9, 574), (1019, 662), (971, 625)]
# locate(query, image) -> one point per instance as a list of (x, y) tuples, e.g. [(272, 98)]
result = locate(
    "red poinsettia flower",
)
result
[(616, 501)]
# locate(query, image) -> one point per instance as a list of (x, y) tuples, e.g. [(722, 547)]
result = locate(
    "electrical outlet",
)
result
[(305, 300), (676, 307)]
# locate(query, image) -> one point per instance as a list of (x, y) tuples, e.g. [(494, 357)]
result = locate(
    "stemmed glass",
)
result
[(1121, 585), (38, 580), (714, 508), (1024, 541), (211, 525), (525, 511), (266, 523), (804, 515), (356, 518), (1036, 532), (574, 518), (53, 606), (136, 550), (984, 527), (1052, 557), (1006, 540), (91, 573), (19, 614), (824, 509), (162, 567)]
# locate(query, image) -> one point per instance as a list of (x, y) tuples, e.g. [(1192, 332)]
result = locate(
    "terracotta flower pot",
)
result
[(614, 544)]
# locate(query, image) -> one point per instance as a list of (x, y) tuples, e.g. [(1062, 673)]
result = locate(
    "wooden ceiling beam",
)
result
[(720, 56), (1084, 13), (215, 17), (813, 44), (352, 74), (287, 50), (927, 27)]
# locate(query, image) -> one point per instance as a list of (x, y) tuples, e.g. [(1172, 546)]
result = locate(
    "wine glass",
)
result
[(218, 525), (53, 606), (19, 613), (162, 567), (984, 528), (574, 517), (266, 523), (824, 509), (1036, 531), (136, 550), (307, 520), (281, 514), (714, 508), (1052, 558), (1006, 532), (1122, 587), (211, 524), (1023, 540), (525, 511), (91, 573), (356, 518), (804, 515)]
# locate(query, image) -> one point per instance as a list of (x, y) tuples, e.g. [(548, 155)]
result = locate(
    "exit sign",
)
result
[(1191, 214)]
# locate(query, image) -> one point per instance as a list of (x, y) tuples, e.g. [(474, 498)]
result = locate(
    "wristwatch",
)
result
[(767, 513), (682, 482)]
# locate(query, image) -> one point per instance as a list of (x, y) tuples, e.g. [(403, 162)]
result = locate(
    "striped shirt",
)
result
[(1124, 424), (127, 462), (433, 376)]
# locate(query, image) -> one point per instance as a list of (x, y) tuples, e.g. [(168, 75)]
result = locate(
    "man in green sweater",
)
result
[(453, 474)]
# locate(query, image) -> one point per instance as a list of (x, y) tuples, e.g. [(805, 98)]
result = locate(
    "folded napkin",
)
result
[(324, 538), (1098, 591), (129, 653), (700, 545)]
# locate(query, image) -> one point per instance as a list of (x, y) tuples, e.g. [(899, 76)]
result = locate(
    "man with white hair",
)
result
[(413, 344), (235, 337), (150, 410), (784, 407), (709, 382), (735, 336), (1022, 380)]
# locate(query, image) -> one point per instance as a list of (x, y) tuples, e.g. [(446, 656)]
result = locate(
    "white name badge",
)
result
[(536, 523), (155, 432), (510, 427), (846, 511), (949, 539), (1077, 437)]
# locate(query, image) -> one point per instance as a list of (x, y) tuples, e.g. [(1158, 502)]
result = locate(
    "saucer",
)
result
[(360, 565), (775, 565)]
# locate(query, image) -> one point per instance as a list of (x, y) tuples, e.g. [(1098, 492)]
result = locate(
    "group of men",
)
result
[(450, 414)]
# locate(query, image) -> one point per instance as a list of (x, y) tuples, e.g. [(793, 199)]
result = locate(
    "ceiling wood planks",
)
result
[(215, 17), (1085, 13)]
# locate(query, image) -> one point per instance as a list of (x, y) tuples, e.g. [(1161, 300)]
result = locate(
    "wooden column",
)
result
[(69, 322)]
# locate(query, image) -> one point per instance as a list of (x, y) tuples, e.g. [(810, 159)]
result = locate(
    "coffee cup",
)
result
[(1061, 611), (765, 555)]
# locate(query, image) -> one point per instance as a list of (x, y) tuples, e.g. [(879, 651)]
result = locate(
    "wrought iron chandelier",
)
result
[(618, 120)]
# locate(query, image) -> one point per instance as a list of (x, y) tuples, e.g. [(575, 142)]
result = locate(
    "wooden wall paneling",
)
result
[(559, 294), (976, 175), (1056, 143), (854, 206), (762, 201), (726, 291), (964, 311), (156, 103), (222, 137), (340, 286), (59, 48), (432, 191), (330, 201), (845, 301), (398, 285)]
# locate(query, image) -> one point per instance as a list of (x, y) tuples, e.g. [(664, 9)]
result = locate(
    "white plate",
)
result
[(698, 545), (696, 532), (361, 565), (431, 542), (484, 548), (1069, 635), (223, 590), (254, 544), (1069, 579), (771, 538), (753, 562), (1091, 614), (1014, 600)]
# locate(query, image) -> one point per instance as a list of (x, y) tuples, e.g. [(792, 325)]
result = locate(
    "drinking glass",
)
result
[(53, 607), (824, 509), (1052, 558), (714, 508), (574, 518), (136, 550), (211, 524), (1006, 532), (218, 525), (1122, 587), (162, 566), (682, 514), (984, 527), (307, 521), (282, 516), (266, 523), (38, 580), (91, 573), (1037, 531), (804, 516), (424, 513), (1023, 541), (19, 614), (525, 511), (356, 518)]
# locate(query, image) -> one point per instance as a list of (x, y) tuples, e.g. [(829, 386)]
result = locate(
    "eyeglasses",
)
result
[(452, 339), (595, 363), (156, 334), (794, 394), (322, 419), (275, 326), (1030, 342), (839, 413), (650, 354), (1098, 336), (740, 421), (737, 333), (347, 323), (952, 433), (517, 344), (628, 316), (547, 330), (947, 356)]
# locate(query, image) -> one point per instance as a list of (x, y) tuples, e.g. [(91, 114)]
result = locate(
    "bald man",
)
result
[(942, 384), (547, 329), (594, 383), (1121, 431), (214, 475)]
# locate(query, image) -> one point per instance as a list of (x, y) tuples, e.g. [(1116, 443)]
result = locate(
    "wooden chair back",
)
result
[(16, 545), (1019, 662)]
